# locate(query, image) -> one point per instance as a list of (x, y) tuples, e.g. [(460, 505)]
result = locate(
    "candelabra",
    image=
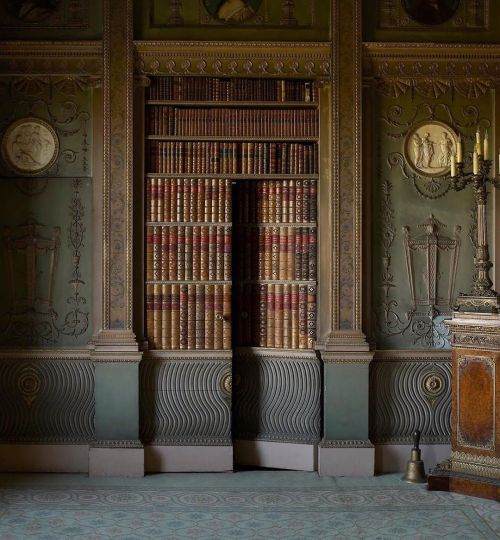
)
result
[(482, 298)]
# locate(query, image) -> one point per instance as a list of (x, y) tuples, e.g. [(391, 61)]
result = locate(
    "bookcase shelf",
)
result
[(231, 250), (250, 138), (236, 176)]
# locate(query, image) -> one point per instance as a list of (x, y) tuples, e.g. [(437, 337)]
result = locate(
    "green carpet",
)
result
[(250, 504)]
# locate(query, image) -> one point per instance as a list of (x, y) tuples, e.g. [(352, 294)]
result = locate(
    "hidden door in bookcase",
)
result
[(231, 240)]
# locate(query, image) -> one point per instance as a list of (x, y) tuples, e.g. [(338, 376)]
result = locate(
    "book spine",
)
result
[(219, 317), (175, 333), (209, 317), (166, 308)]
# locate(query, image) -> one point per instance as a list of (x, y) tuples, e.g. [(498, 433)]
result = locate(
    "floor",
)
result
[(249, 504)]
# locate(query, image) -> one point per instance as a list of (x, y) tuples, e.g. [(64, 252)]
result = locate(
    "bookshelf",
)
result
[(231, 213)]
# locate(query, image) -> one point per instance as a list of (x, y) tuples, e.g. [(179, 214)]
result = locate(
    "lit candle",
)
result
[(475, 162), (486, 146), (478, 142), (459, 149), (453, 167)]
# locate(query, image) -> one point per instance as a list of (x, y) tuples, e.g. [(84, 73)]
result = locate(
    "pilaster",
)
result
[(117, 450), (342, 345)]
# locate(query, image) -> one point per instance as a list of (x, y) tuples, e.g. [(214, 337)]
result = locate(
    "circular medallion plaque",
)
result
[(429, 147), (30, 146), (431, 12), (232, 11)]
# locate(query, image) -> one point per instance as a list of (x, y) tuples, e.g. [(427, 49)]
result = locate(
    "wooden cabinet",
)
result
[(474, 464)]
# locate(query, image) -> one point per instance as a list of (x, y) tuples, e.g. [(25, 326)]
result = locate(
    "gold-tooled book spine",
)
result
[(226, 317), (219, 316), (166, 331), (191, 316), (175, 316), (183, 316), (209, 317)]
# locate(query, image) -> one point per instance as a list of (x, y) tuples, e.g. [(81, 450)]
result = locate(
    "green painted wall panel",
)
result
[(404, 199), (345, 401), (61, 20), (46, 301), (154, 19), (117, 401), (446, 32)]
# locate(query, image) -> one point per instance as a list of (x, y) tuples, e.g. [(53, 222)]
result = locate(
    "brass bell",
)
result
[(415, 470)]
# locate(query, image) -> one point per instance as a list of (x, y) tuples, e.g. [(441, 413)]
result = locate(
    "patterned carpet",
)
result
[(253, 504)]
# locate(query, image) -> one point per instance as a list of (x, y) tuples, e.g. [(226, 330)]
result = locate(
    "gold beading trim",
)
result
[(474, 464)]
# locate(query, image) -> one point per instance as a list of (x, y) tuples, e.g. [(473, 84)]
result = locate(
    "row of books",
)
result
[(188, 200), (215, 157), (188, 316), (176, 121), (276, 253), (275, 315), (188, 253), (275, 201), (216, 89)]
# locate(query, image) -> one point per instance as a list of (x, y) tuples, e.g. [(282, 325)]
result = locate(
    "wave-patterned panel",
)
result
[(408, 395), (47, 401), (185, 402), (277, 399)]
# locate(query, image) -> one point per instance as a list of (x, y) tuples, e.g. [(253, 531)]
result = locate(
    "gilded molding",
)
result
[(118, 443), (474, 464), (431, 70), (347, 357), (346, 444), (409, 355), (476, 340), (51, 58), (232, 59)]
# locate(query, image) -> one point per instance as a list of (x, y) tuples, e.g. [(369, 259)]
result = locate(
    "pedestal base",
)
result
[(466, 484)]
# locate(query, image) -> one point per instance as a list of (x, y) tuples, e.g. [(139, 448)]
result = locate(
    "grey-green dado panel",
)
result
[(185, 401), (408, 395), (277, 398), (45, 400), (116, 401), (346, 401), (406, 206), (46, 220)]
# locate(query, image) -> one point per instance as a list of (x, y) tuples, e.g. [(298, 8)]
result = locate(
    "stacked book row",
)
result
[(212, 89), (214, 157), (276, 253), (188, 200), (188, 253), (188, 316), (275, 315), (275, 201), (213, 122)]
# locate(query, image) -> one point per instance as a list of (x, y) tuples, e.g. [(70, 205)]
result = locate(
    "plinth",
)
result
[(474, 465)]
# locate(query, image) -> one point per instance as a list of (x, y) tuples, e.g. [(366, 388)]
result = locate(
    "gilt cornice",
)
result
[(50, 58), (431, 69), (233, 58)]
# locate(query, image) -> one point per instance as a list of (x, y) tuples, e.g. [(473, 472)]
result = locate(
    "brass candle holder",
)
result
[(482, 298)]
